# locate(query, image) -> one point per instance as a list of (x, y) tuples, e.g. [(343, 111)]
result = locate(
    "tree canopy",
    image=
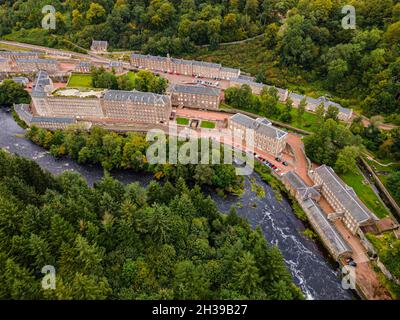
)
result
[(116, 241)]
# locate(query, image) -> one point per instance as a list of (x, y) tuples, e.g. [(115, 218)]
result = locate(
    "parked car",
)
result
[(278, 159), (285, 163), (348, 260)]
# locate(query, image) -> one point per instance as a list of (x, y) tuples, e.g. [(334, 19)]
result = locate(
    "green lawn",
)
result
[(365, 193), (80, 81), (182, 121), (207, 125), (309, 120)]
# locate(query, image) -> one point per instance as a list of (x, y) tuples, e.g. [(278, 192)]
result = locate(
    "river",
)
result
[(312, 271)]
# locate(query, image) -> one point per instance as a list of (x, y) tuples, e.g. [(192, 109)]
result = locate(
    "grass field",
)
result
[(42, 37), (309, 120), (207, 125), (182, 121), (365, 193), (80, 81)]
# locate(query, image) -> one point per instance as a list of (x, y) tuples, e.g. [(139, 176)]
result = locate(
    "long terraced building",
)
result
[(184, 67)]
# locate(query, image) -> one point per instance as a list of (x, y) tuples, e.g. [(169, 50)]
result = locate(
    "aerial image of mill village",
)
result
[(203, 150)]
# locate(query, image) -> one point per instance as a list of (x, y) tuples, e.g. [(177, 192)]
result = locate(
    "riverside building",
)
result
[(266, 137)]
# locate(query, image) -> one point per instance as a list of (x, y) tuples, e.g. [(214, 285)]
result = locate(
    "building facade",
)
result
[(99, 46), (298, 188), (83, 67), (266, 137), (195, 96), (312, 104), (229, 73), (141, 107), (342, 198), (53, 123), (35, 65), (61, 106), (116, 66), (183, 67), (5, 65), (257, 88), (308, 198), (14, 55), (119, 106)]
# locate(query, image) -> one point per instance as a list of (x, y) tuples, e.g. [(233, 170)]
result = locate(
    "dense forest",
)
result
[(157, 25), (310, 52), (128, 151), (12, 92), (116, 241)]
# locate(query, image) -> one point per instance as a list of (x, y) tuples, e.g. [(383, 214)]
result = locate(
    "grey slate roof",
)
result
[(249, 82), (243, 120), (135, 96), (304, 191), (23, 111), (248, 78), (345, 195), (181, 61), (84, 64), (99, 43), (194, 89), (53, 120), (206, 64), (294, 180), (317, 217), (115, 63), (232, 70), (320, 100), (41, 82), (177, 61), (261, 126), (21, 80), (18, 53), (36, 61)]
